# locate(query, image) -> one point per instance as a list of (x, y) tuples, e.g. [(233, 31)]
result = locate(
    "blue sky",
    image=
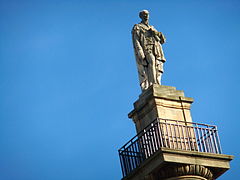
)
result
[(68, 80)]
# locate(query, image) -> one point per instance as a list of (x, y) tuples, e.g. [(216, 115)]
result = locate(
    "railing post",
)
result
[(218, 141)]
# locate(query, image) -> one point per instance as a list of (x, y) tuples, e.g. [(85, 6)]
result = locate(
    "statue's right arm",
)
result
[(136, 43)]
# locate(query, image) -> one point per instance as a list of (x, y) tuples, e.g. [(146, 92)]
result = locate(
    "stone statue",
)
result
[(148, 51)]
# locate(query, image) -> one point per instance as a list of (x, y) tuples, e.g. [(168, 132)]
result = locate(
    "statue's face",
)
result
[(145, 16)]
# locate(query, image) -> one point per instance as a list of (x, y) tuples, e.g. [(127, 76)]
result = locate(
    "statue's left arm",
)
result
[(159, 36)]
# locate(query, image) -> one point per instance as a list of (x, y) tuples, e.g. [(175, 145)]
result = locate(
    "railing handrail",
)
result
[(158, 120), (186, 122)]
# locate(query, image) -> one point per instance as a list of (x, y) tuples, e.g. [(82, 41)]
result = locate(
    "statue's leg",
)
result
[(146, 82), (152, 75), (142, 75)]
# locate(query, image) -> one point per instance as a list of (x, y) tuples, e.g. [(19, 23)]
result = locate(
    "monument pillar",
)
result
[(168, 144)]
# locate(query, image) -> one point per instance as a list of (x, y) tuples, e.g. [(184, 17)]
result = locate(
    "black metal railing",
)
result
[(170, 134)]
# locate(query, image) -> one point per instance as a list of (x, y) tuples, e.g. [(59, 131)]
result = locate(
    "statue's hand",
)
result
[(140, 54), (144, 62), (154, 31), (162, 38)]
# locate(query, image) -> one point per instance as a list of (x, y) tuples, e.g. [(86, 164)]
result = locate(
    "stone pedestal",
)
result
[(160, 102), (170, 164)]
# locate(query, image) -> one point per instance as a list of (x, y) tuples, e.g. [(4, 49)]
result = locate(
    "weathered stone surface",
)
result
[(175, 171), (147, 43), (160, 102)]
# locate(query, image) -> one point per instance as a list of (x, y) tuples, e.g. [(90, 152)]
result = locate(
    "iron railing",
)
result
[(170, 134)]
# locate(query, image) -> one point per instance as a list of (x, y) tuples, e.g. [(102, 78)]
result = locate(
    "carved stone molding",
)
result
[(183, 170)]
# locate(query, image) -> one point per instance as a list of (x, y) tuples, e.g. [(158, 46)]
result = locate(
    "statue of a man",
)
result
[(148, 51)]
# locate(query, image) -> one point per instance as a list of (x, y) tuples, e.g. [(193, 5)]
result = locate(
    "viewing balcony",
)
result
[(168, 134)]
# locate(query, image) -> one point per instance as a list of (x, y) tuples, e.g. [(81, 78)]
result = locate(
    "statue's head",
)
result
[(144, 15)]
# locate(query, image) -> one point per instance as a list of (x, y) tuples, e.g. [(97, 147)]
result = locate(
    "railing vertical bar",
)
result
[(210, 138), (202, 140), (207, 140), (132, 156), (164, 135), (218, 141), (171, 134), (138, 153), (200, 144), (150, 141), (175, 135), (124, 165), (146, 150), (179, 134), (188, 137), (215, 142), (160, 134), (157, 136), (154, 138), (184, 139), (130, 159), (196, 137), (142, 148), (127, 164), (148, 144), (168, 135), (121, 162), (193, 138), (141, 159), (158, 129), (135, 154)]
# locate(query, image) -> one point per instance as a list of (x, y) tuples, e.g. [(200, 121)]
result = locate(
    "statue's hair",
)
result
[(143, 11)]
